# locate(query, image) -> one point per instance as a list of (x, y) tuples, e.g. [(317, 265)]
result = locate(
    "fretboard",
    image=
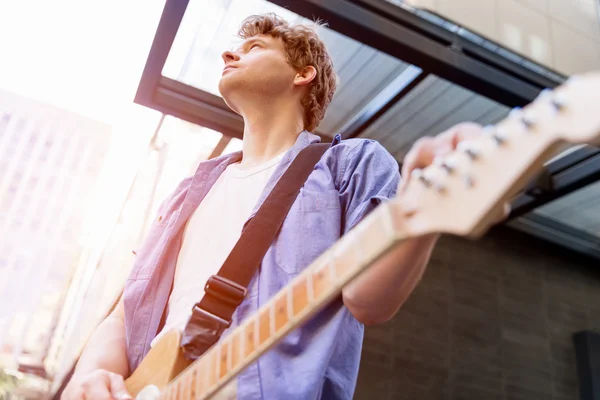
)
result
[(308, 293)]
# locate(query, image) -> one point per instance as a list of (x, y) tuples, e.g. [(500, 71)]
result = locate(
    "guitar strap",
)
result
[(226, 290)]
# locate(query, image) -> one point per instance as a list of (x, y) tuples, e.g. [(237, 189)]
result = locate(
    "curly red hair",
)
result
[(303, 47)]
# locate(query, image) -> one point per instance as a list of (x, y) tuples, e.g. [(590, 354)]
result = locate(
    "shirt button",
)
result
[(159, 218)]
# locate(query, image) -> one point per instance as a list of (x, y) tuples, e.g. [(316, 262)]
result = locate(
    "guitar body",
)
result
[(160, 366)]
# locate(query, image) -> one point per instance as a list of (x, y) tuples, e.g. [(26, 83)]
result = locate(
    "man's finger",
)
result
[(117, 387), (427, 148), (420, 155), (97, 389), (460, 132)]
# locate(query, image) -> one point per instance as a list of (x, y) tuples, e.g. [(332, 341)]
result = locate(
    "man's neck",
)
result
[(269, 130)]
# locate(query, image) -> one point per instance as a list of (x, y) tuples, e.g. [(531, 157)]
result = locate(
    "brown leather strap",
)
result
[(225, 291)]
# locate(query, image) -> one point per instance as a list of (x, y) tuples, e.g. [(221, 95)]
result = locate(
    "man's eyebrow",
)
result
[(250, 42)]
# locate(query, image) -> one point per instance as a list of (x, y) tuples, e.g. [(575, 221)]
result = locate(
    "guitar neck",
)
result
[(308, 293)]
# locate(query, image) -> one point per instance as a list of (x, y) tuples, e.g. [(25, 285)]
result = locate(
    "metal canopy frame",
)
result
[(430, 49), (376, 23), (399, 33), (559, 178), (392, 94)]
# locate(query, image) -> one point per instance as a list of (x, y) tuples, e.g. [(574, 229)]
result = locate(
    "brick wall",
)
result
[(490, 320)]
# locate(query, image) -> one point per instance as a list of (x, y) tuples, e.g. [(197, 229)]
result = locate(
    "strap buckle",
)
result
[(219, 324), (225, 290), (201, 332)]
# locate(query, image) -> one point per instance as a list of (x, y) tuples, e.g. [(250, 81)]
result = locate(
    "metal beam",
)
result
[(392, 94), (168, 25), (218, 150), (558, 233), (462, 40), (416, 41), (559, 178), (197, 106)]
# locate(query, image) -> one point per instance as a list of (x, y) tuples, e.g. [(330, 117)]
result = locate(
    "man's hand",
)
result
[(97, 385), (426, 149)]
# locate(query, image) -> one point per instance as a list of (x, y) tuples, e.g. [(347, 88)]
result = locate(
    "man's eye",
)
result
[(254, 45)]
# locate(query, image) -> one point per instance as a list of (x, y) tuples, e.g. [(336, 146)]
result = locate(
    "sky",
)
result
[(83, 55)]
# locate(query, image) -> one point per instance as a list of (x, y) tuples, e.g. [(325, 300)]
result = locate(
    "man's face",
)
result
[(257, 70)]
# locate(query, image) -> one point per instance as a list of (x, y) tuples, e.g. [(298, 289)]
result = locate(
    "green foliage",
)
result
[(8, 383)]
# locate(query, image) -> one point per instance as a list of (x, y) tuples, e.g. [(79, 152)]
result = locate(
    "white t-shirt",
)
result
[(210, 234)]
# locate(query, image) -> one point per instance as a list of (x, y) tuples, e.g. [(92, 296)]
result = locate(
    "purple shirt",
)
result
[(321, 358)]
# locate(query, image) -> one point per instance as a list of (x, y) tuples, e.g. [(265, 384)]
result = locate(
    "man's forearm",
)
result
[(376, 295), (106, 349)]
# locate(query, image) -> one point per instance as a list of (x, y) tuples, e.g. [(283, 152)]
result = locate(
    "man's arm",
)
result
[(106, 348), (376, 295), (103, 362)]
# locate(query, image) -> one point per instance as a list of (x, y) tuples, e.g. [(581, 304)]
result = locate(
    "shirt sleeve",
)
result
[(370, 175)]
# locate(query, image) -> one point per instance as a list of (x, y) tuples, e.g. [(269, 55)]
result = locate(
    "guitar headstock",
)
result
[(460, 192)]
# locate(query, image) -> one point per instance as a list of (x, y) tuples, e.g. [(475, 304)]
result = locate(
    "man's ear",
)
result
[(305, 76)]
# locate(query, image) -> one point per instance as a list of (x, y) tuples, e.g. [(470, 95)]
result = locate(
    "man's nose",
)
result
[(229, 56)]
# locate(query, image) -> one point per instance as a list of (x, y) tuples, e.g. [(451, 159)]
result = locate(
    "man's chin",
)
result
[(227, 100)]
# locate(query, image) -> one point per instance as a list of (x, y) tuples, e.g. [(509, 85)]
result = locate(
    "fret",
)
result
[(242, 342), (374, 236), (346, 257), (256, 332), (249, 339), (331, 268), (217, 363), (182, 388), (310, 295), (271, 318), (299, 296), (230, 354), (321, 282), (210, 365), (264, 325), (280, 307), (192, 383), (236, 350), (290, 302), (197, 380), (205, 375), (222, 370), (188, 386)]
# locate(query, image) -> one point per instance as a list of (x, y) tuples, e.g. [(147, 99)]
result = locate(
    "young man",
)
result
[(280, 81)]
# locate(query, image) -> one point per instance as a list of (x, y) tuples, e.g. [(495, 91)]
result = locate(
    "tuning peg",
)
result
[(525, 117), (440, 187), (420, 175), (446, 165), (516, 112), (468, 180), (545, 94), (528, 120), (559, 101), (495, 133), (467, 147)]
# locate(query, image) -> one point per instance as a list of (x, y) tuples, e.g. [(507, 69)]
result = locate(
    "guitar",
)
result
[(457, 194)]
